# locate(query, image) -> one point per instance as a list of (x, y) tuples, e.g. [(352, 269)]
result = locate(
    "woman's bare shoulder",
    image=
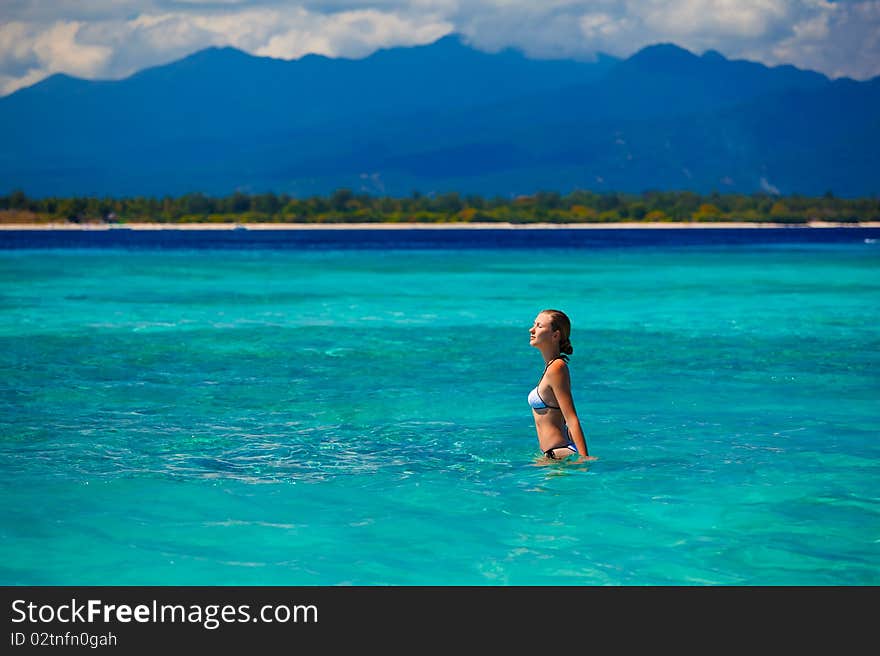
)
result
[(558, 368)]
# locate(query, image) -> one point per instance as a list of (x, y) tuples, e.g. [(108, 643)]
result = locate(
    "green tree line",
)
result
[(344, 205)]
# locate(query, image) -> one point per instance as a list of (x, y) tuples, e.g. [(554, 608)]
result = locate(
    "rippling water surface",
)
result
[(340, 413)]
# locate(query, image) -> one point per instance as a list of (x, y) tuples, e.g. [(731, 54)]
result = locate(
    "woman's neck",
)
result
[(549, 356)]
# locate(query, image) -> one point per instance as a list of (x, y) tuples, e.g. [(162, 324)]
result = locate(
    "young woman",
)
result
[(559, 430)]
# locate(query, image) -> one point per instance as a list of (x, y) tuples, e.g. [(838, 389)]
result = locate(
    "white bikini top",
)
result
[(535, 399)]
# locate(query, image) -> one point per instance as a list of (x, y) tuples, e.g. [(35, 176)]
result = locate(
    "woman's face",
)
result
[(541, 331)]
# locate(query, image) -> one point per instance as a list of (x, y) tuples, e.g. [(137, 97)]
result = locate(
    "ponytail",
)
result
[(565, 347)]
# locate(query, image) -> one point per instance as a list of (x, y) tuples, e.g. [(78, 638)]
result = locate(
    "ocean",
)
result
[(337, 407)]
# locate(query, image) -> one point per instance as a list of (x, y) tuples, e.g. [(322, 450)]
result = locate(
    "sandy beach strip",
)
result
[(431, 226)]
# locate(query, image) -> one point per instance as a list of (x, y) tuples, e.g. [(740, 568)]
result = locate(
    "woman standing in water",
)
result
[(559, 430)]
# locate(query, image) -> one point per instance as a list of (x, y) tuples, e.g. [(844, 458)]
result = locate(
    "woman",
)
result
[(556, 421)]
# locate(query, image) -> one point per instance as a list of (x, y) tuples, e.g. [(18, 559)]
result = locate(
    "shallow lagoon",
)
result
[(273, 411)]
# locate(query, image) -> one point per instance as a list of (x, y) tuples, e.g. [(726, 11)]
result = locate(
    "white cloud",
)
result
[(352, 34), (56, 48), (843, 40), (115, 38), (15, 40), (601, 26), (59, 49), (715, 18), (9, 83)]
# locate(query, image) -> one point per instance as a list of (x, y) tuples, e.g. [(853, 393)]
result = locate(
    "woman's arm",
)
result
[(560, 382)]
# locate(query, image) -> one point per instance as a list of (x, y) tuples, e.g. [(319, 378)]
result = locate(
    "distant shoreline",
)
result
[(433, 226)]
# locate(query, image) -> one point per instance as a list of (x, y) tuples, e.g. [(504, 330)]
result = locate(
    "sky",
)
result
[(112, 39)]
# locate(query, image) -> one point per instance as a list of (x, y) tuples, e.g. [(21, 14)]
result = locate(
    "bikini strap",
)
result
[(547, 367), (552, 407)]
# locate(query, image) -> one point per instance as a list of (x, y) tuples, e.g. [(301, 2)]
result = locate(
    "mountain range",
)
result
[(444, 117)]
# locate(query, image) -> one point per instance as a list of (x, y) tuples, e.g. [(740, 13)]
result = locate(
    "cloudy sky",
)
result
[(111, 39)]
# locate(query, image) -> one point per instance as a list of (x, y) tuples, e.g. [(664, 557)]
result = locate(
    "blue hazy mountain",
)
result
[(444, 117)]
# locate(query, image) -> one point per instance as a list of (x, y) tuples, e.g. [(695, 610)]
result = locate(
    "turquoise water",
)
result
[(326, 417)]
